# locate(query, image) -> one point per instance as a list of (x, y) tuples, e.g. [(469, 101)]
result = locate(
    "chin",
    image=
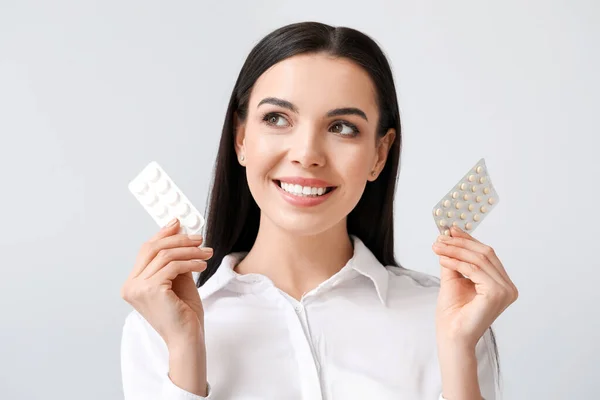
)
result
[(305, 225)]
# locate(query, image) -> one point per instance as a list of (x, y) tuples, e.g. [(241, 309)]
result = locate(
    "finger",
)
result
[(472, 245), (481, 248), (151, 248), (470, 257), (143, 258), (165, 256), (169, 229), (176, 268), (468, 270)]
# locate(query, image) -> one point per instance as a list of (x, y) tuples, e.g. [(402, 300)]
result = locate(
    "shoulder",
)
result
[(412, 287), (417, 278), (136, 326), (138, 331), (134, 321)]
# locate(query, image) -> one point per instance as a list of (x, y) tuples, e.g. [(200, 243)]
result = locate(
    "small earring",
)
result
[(373, 173), (242, 158)]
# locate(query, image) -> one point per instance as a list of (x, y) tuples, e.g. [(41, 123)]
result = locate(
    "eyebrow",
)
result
[(331, 113)]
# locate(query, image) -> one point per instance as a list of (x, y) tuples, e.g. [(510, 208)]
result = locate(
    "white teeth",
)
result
[(302, 190)]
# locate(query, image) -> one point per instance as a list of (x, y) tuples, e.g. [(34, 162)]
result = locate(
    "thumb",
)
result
[(447, 274), (457, 232)]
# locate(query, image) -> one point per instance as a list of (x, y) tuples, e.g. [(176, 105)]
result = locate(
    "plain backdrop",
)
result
[(91, 91)]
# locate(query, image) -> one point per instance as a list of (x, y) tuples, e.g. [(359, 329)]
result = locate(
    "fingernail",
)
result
[(195, 237), (443, 238), (208, 250), (172, 222)]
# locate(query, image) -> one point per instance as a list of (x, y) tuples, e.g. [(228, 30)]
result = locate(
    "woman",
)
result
[(300, 296)]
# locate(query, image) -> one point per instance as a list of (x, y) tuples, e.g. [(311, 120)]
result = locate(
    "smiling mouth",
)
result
[(304, 191)]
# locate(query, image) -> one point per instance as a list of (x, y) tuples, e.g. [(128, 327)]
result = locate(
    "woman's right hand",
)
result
[(162, 289)]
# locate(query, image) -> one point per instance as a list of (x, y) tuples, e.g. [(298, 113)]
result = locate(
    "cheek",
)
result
[(353, 166), (262, 155), (258, 146)]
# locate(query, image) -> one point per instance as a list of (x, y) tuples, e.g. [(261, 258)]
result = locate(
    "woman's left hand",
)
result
[(468, 305)]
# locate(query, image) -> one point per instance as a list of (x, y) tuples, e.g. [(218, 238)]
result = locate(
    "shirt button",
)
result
[(298, 309)]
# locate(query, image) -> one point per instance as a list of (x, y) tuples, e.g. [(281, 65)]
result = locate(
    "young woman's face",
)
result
[(309, 142)]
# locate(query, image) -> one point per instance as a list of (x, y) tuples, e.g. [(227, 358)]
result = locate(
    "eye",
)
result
[(273, 118), (344, 128)]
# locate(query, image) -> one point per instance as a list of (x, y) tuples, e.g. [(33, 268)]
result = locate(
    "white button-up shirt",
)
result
[(368, 332)]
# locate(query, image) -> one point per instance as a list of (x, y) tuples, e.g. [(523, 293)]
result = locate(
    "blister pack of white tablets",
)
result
[(468, 203), (163, 200)]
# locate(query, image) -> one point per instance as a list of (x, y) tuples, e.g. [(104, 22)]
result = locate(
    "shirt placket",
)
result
[(308, 365)]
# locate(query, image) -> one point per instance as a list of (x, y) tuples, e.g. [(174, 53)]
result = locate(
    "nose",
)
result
[(307, 148)]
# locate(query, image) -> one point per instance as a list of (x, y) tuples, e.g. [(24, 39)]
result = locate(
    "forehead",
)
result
[(317, 83)]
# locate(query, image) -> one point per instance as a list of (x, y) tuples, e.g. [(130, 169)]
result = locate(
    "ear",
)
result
[(384, 144), (240, 139)]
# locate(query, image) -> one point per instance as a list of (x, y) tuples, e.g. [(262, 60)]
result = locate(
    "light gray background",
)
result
[(90, 92)]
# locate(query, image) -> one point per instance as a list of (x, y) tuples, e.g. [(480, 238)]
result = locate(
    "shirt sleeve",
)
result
[(487, 372), (145, 364)]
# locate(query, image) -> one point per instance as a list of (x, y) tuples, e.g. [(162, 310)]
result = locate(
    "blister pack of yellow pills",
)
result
[(163, 200), (468, 203)]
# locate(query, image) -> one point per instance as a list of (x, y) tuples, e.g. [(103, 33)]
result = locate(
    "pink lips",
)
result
[(304, 201)]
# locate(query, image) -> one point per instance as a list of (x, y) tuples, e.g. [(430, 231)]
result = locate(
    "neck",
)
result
[(297, 263)]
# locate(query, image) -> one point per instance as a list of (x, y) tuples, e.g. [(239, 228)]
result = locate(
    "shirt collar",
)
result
[(363, 261)]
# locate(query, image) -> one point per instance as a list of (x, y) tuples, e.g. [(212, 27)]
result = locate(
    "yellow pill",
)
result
[(458, 205), (471, 207), (482, 179), (486, 190), (466, 197), (442, 222), (455, 195), (473, 188), (478, 199), (450, 214), (446, 203), (468, 225), (471, 178), (438, 212), (463, 216), (476, 217), (483, 209), (491, 200)]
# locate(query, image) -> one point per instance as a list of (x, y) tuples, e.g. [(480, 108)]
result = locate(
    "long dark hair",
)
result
[(233, 215)]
